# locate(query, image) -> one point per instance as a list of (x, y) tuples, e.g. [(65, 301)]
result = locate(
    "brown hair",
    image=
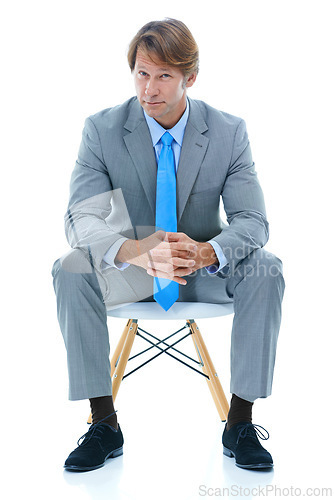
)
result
[(170, 41)]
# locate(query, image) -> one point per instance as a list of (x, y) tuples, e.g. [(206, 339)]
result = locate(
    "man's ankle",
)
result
[(102, 408), (240, 411)]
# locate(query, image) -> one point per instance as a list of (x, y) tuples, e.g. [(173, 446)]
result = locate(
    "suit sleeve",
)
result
[(244, 205), (90, 200)]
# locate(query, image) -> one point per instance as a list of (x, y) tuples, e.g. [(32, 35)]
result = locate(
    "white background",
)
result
[(269, 62)]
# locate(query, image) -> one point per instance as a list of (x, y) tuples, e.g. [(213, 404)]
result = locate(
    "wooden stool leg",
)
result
[(208, 368), (119, 347), (120, 357), (123, 358)]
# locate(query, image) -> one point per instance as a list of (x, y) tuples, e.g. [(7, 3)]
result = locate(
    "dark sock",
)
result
[(101, 408), (240, 411)]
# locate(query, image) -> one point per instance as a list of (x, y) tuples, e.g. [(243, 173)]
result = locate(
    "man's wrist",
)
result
[(207, 254), (127, 251)]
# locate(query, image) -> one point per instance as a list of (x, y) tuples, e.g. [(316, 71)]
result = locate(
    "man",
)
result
[(144, 215)]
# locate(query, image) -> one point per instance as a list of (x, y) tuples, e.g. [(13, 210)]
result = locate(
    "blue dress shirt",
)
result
[(177, 132)]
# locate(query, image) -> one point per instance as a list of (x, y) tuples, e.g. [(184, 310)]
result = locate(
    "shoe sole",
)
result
[(229, 453), (79, 468)]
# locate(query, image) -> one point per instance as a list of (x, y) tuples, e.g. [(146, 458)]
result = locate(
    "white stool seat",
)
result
[(179, 310)]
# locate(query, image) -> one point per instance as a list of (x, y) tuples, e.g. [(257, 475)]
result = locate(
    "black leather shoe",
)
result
[(241, 442), (102, 441)]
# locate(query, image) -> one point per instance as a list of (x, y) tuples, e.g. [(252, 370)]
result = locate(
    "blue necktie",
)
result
[(166, 292)]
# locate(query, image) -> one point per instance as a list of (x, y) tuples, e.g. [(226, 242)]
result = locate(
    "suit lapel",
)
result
[(193, 150), (140, 147)]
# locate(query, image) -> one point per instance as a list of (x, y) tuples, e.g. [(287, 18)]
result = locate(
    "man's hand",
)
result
[(174, 263), (179, 247), (168, 255)]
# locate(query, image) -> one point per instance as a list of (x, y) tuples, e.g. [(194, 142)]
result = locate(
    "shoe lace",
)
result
[(93, 431), (252, 430)]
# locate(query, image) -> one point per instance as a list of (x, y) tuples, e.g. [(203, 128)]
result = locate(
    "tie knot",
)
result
[(167, 139)]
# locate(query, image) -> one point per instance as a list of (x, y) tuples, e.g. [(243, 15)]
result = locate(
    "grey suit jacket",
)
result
[(113, 185)]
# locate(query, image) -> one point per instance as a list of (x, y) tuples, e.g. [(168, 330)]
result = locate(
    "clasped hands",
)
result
[(168, 255)]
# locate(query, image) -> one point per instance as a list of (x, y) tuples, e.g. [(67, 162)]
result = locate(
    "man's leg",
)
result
[(83, 322), (257, 287)]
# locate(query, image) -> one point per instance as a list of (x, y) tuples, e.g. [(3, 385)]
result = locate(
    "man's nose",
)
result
[(151, 89)]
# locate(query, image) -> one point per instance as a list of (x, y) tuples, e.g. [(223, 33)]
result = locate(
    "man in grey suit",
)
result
[(119, 253)]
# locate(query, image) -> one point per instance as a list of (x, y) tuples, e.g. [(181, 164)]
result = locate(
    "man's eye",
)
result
[(165, 75), (142, 73)]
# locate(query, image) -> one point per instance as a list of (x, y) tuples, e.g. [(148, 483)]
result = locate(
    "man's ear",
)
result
[(190, 80)]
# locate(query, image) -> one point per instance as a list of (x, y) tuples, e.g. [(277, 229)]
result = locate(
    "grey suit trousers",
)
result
[(256, 288)]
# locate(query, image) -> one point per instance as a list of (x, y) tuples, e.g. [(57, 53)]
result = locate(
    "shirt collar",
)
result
[(177, 132)]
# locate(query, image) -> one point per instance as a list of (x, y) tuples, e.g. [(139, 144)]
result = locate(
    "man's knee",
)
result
[(72, 273), (264, 264), (73, 261), (55, 268), (269, 263)]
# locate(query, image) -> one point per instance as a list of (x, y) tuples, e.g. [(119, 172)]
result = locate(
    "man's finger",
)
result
[(175, 236), (172, 277), (165, 267), (160, 263), (160, 274), (167, 254), (178, 245)]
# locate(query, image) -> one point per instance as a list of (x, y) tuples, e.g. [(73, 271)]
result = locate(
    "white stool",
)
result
[(179, 310)]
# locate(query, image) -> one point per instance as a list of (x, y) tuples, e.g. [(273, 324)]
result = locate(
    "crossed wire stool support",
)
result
[(179, 310)]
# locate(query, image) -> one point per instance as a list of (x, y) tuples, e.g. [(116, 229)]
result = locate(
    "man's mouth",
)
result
[(153, 103)]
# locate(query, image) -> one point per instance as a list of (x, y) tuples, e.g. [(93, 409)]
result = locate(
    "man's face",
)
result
[(161, 89)]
